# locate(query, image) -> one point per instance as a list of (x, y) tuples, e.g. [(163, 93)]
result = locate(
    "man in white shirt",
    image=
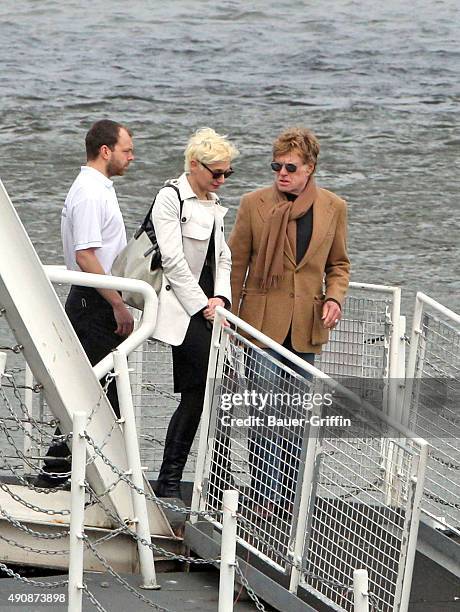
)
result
[(93, 233)]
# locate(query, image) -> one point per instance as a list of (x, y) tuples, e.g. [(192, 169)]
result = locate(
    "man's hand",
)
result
[(124, 319), (88, 262), (331, 314)]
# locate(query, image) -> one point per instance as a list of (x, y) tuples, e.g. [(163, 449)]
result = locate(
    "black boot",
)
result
[(174, 460), (179, 439)]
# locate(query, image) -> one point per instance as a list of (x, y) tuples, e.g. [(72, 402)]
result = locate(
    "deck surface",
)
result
[(180, 592)]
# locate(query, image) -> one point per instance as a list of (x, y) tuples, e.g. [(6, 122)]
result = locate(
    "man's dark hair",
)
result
[(104, 132)]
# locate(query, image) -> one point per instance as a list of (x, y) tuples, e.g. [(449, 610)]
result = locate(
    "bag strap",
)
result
[(147, 224)]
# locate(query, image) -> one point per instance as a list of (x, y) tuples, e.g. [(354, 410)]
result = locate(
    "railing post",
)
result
[(304, 516), (134, 463), (228, 551), (361, 590), (135, 361), (412, 516), (77, 513), (2, 366), (203, 441)]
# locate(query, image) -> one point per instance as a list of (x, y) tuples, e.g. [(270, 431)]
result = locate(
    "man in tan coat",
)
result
[(288, 243), (290, 273)]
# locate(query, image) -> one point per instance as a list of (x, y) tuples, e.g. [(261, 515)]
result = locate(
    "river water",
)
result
[(377, 82)]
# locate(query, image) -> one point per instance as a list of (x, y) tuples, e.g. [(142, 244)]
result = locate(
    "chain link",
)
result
[(16, 348), (27, 484), (41, 551), (150, 386), (37, 583), (93, 600), (119, 579), (36, 534), (26, 413), (123, 527), (156, 500), (26, 460), (56, 441), (33, 507), (250, 591), (440, 500), (450, 465)]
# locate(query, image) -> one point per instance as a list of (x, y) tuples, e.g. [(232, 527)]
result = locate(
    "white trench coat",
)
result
[(183, 244)]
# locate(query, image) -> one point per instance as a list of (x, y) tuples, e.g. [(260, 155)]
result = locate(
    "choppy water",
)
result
[(378, 82)]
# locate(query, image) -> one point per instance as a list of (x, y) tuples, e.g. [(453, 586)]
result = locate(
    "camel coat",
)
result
[(298, 299)]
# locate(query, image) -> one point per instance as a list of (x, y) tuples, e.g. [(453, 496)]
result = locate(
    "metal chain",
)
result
[(92, 599), (17, 348), (109, 489), (150, 386), (38, 583), (448, 464), (123, 527), (26, 413), (60, 440), (26, 460), (250, 591), (373, 602), (119, 579), (125, 478), (109, 536), (57, 440), (441, 501), (108, 380), (104, 442), (32, 506), (37, 534), (27, 484), (41, 551)]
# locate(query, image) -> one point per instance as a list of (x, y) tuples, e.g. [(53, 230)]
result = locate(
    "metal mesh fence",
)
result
[(360, 516), (249, 453), (433, 407), (264, 415), (358, 348)]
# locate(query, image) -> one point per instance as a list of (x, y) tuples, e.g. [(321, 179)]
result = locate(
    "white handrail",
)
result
[(422, 297), (57, 274)]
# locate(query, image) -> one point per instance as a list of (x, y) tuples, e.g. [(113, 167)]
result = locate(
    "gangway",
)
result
[(54, 354)]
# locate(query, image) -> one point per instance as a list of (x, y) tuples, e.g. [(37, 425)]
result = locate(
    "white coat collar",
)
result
[(186, 192)]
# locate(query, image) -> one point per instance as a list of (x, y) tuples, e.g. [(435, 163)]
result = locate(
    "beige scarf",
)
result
[(279, 235)]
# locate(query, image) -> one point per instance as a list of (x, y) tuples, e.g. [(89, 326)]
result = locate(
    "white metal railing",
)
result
[(353, 489), (58, 274), (358, 354), (366, 344), (431, 406)]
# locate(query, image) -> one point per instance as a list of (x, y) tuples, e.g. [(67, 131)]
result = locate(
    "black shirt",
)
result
[(304, 230)]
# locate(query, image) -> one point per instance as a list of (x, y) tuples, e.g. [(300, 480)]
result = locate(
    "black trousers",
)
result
[(93, 321)]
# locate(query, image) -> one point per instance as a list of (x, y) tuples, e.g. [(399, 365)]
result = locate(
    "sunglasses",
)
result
[(276, 167), (218, 173)]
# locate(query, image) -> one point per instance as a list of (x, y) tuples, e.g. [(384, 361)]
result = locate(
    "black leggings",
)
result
[(185, 420)]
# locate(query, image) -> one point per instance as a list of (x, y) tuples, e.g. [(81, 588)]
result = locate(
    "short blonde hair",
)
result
[(209, 147)]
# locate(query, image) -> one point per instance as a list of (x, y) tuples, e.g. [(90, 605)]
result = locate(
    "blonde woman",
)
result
[(196, 263)]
